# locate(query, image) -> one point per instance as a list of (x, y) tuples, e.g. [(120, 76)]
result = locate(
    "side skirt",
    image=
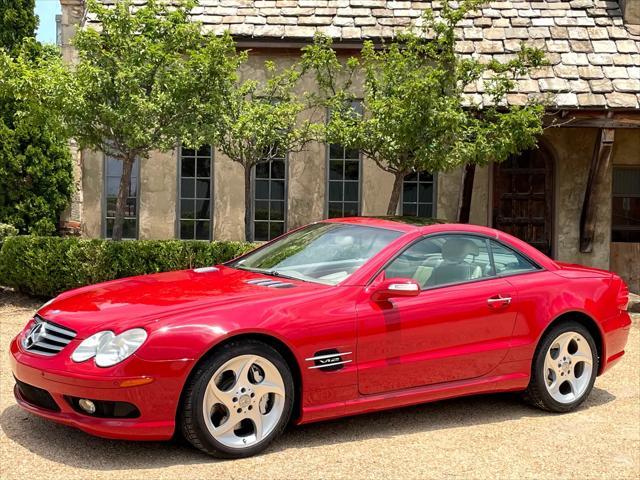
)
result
[(413, 396)]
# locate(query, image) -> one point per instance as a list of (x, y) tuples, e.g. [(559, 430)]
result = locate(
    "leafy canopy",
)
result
[(17, 21), (147, 77), (416, 116)]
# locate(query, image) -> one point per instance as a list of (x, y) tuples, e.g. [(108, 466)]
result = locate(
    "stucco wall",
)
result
[(92, 186), (157, 196), (228, 203)]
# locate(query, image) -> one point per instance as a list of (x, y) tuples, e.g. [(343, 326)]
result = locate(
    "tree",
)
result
[(17, 21), (36, 171), (261, 121), (148, 77), (416, 117)]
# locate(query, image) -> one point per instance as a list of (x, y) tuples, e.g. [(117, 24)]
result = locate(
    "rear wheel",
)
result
[(238, 401), (564, 368)]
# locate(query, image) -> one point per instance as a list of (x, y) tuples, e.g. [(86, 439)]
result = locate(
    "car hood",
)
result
[(137, 301)]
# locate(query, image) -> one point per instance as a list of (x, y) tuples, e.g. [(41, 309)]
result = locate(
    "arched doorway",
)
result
[(523, 198)]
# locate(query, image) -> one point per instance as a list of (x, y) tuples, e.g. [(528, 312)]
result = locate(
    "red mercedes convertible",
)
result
[(337, 318)]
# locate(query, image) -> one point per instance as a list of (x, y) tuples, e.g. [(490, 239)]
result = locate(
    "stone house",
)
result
[(577, 197)]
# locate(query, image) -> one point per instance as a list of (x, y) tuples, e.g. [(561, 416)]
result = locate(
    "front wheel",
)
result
[(564, 368), (238, 401)]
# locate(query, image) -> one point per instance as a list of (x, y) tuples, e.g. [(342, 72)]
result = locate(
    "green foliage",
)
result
[(46, 266), (7, 230), (416, 116), (36, 170), (17, 21), (263, 120), (147, 78)]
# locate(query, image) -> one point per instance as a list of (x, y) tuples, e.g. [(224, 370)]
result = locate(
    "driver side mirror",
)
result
[(395, 287)]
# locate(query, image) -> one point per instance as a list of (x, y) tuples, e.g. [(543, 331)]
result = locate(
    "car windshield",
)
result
[(325, 253)]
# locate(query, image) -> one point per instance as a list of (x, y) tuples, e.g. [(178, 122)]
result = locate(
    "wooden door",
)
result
[(523, 198)]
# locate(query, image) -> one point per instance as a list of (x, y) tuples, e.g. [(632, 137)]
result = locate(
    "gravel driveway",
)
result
[(492, 436)]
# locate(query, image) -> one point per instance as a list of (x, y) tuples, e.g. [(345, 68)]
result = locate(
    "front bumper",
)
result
[(157, 401)]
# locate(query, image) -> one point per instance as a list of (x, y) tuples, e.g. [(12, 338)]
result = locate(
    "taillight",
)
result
[(622, 300)]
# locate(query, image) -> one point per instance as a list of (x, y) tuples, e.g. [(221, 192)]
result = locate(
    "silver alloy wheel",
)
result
[(244, 401), (568, 367)]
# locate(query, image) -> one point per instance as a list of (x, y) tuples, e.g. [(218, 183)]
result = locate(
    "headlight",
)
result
[(109, 349)]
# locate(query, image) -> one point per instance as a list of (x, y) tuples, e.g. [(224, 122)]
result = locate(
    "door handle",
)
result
[(498, 301)]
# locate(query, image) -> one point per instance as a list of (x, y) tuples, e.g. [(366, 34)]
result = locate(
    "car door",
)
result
[(457, 328)]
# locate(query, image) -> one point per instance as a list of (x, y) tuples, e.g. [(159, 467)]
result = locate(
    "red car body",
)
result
[(446, 342)]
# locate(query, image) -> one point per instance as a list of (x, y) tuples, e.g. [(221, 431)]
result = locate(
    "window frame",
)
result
[(285, 221), (487, 238), (103, 200), (179, 196), (627, 228), (434, 199), (327, 173)]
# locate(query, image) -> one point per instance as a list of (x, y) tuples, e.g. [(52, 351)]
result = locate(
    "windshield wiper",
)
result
[(272, 273)]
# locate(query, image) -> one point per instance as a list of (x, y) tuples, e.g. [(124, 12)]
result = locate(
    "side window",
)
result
[(509, 262), (443, 260)]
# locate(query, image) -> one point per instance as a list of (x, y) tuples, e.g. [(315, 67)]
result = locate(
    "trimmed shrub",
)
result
[(7, 230), (46, 266)]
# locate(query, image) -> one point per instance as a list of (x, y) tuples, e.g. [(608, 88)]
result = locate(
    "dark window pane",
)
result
[(351, 170), (188, 152), (626, 211), (412, 177), (204, 151), (277, 189), (410, 191), (626, 181), (186, 229), (409, 209), (130, 208), (336, 151), (425, 177), (352, 154), (188, 167), (187, 209), (262, 210), (202, 230), (277, 169), (276, 229), (114, 167), (261, 231), (336, 170), (129, 228), (202, 209), (109, 227), (203, 187), (187, 188), (425, 210), (133, 187), (204, 167), (631, 236), (350, 209), (262, 170), (335, 191), (277, 210), (113, 186), (351, 191), (335, 209), (426, 192), (262, 189), (111, 207)]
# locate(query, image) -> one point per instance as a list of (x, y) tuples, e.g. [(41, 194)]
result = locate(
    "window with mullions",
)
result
[(344, 177), (113, 174), (195, 193), (418, 195), (269, 199), (625, 208)]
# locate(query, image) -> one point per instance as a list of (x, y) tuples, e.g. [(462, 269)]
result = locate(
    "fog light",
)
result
[(87, 405)]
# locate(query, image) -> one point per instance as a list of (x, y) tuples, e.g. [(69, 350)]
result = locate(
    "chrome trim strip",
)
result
[(329, 355), (48, 326), (328, 365)]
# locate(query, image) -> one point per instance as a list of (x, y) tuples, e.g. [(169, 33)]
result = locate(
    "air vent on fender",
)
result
[(263, 282), (328, 360)]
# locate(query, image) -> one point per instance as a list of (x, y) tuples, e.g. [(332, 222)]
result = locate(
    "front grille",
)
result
[(37, 396), (47, 338)]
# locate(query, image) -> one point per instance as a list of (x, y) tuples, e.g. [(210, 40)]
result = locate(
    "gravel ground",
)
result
[(492, 436)]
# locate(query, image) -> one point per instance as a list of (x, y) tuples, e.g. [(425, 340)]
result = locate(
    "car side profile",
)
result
[(337, 318)]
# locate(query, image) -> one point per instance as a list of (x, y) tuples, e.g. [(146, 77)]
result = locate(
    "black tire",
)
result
[(536, 393), (191, 416)]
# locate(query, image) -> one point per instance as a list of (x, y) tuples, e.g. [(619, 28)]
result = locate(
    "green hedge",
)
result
[(46, 266)]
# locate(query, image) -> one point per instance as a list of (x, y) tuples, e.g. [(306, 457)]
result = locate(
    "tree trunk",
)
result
[(248, 205), (123, 193), (392, 208), (466, 193)]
